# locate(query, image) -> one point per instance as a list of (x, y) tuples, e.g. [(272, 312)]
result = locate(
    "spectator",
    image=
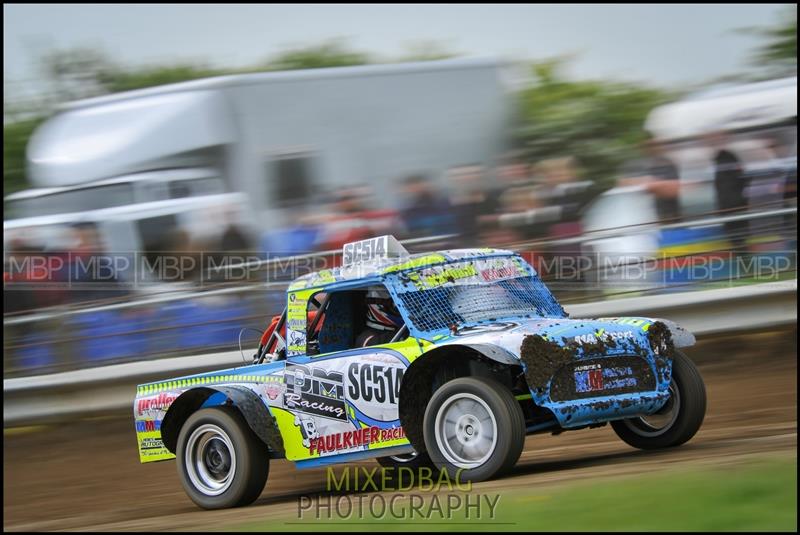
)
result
[(766, 178), (297, 237), (91, 274), (559, 197), (729, 180), (514, 173), (426, 213), (550, 207), (187, 253), (664, 181), (563, 189), (729, 184), (659, 175), (515, 217), (343, 224), (177, 264), (468, 200), (22, 271), (235, 239), (776, 185), (233, 247), (351, 219), (784, 147)]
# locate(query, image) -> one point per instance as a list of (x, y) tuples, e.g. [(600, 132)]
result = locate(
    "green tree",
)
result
[(427, 51), (332, 53), (15, 140), (599, 123), (81, 72), (778, 55), (116, 79), (74, 73)]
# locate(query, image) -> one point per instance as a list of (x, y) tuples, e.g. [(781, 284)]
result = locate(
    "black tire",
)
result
[(679, 426), (482, 397), (226, 427)]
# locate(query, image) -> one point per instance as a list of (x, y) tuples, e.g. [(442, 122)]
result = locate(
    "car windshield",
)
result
[(464, 293)]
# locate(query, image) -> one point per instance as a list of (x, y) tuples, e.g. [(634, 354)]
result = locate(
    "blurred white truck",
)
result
[(255, 149)]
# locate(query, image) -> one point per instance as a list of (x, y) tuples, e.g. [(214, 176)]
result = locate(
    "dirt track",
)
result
[(86, 475)]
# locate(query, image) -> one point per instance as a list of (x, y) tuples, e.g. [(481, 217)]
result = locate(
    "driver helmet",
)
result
[(382, 314)]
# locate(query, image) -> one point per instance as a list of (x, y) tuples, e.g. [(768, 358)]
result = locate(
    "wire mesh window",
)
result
[(439, 308)]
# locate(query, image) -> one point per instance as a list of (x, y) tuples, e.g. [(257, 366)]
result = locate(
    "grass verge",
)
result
[(756, 496)]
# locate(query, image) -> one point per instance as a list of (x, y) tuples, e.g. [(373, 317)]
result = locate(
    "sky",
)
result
[(667, 45)]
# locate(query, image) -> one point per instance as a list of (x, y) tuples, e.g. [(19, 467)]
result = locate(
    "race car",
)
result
[(444, 360)]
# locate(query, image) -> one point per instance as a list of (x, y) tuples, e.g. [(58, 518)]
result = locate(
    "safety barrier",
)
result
[(111, 388)]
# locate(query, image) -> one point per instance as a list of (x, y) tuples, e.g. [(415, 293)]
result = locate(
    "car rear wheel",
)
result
[(221, 463), (474, 428), (680, 417)]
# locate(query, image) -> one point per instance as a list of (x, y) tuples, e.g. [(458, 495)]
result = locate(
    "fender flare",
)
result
[(418, 379), (248, 403), (681, 337), (495, 353), (432, 358)]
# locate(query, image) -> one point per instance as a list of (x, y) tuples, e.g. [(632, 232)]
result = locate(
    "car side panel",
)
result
[(344, 402), (324, 406), (154, 400)]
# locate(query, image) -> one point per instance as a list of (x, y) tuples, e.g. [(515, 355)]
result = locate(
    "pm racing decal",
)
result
[(343, 404)]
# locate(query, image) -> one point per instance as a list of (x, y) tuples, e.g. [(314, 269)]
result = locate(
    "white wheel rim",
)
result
[(660, 422), (210, 459), (407, 458), (466, 430)]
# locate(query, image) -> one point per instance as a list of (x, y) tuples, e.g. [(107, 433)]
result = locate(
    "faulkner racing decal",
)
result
[(354, 439)]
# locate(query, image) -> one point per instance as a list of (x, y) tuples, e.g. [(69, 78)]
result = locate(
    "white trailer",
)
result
[(283, 137)]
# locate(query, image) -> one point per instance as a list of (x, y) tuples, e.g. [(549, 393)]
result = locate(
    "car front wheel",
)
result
[(221, 463), (680, 417), (474, 428)]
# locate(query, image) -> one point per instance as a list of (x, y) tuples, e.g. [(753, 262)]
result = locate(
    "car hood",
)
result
[(606, 335)]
